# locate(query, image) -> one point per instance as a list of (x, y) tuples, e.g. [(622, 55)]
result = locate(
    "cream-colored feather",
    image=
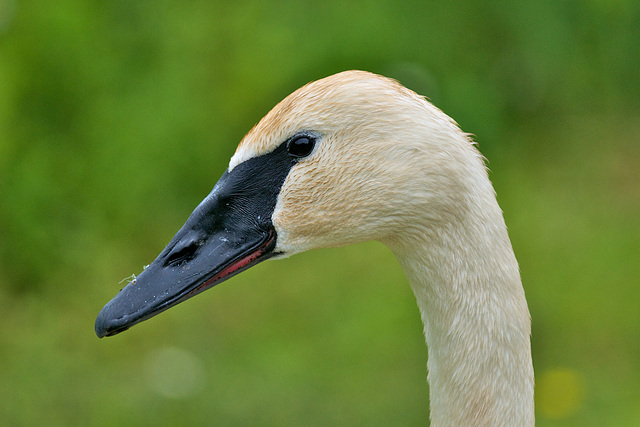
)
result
[(390, 166)]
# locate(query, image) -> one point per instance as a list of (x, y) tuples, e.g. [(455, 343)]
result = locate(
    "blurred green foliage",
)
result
[(117, 117)]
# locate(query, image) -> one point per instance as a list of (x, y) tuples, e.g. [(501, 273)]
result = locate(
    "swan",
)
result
[(353, 157)]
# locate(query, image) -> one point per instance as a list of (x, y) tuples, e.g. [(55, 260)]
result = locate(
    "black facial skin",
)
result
[(230, 231)]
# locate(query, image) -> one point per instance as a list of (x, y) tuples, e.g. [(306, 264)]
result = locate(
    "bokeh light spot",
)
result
[(174, 373), (560, 392)]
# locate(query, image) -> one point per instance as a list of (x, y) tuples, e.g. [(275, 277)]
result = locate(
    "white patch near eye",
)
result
[(247, 151), (242, 154)]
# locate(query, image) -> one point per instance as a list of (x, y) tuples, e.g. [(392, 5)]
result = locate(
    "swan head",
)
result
[(348, 158)]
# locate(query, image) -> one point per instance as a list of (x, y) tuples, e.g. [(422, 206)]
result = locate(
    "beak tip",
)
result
[(106, 324), (102, 325), (100, 329)]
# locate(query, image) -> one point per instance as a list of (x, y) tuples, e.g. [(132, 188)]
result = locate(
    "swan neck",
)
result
[(476, 323)]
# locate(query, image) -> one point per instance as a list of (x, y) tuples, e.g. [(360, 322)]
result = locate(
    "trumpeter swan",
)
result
[(353, 157)]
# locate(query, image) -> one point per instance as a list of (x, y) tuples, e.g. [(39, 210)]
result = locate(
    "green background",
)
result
[(117, 117)]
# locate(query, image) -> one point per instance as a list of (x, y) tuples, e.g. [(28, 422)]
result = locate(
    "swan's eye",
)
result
[(301, 146)]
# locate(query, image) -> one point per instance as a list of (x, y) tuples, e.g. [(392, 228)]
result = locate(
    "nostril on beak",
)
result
[(183, 251)]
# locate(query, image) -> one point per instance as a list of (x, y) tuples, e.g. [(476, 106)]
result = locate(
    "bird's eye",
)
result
[(301, 146)]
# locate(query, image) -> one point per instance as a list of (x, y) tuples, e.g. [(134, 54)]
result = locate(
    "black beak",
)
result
[(228, 232)]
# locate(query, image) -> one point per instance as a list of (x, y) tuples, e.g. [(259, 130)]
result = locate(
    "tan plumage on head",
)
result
[(368, 144)]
